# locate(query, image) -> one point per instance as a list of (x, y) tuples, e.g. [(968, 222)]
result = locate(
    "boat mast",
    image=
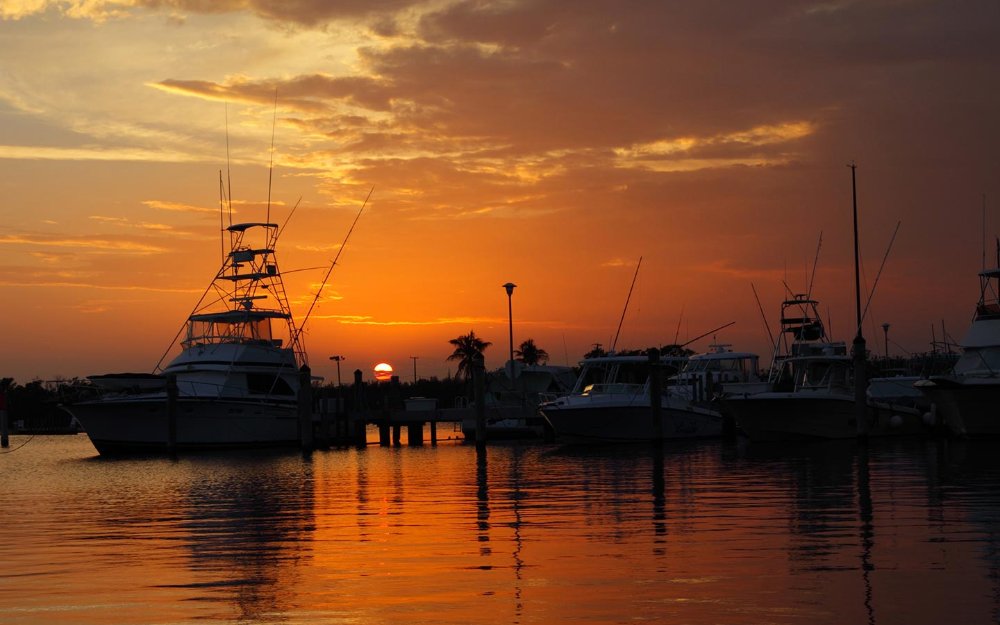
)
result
[(860, 383)]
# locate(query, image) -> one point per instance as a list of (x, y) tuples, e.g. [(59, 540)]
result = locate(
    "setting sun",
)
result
[(383, 372)]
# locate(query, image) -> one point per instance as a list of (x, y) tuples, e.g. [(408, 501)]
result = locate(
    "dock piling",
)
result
[(4, 435), (172, 394), (305, 409), (655, 398), (479, 394)]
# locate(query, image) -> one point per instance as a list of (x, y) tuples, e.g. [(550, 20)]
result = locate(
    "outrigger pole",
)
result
[(625, 309), (332, 265)]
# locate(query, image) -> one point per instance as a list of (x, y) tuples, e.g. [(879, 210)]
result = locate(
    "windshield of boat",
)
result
[(974, 359), (743, 366), (211, 331), (612, 372)]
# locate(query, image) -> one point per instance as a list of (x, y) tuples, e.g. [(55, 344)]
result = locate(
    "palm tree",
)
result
[(467, 347), (531, 354)]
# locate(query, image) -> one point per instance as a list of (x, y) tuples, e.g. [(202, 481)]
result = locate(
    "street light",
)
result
[(885, 328), (338, 359), (414, 358), (510, 323)]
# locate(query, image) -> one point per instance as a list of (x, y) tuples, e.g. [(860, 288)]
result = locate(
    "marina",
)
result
[(499, 313), (897, 532)]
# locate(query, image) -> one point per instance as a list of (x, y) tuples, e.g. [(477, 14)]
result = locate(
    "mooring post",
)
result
[(655, 398), (434, 430), (359, 411), (479, 396), (305, 409), (172, 413), (323, 436), (4, 434), (860, 385)]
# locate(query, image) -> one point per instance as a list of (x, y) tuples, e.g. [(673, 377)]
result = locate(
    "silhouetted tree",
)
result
[(531, 354), (596, 352), (466, 347)]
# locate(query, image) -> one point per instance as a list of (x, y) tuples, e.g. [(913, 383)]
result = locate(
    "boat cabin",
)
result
[(233, 327)]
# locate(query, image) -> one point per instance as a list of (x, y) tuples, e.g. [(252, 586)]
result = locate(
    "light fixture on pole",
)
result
[(885, 328), (510, 323), (338, 359)]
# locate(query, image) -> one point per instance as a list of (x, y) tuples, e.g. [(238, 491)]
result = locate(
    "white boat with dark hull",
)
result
[(968, 398), (812, 393), (235, 382), (611, 403)]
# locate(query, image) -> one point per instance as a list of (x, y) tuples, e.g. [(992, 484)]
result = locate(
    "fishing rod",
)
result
[(701, 336), (879, 274), (767, 326)]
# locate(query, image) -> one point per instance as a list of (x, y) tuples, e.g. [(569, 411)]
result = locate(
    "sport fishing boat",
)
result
[(818, 391), (611, 403), (967, 398), (236, 379)]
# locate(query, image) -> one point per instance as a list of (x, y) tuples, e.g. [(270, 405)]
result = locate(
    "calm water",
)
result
[(907, 532)]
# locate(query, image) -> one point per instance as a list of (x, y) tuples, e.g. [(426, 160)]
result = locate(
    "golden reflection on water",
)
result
[(697, 533)]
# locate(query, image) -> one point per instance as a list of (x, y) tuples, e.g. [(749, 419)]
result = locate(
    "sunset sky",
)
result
[(550, 144)]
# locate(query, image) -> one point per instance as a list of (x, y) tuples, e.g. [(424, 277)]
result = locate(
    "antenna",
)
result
[(222, 218), (332, 265), (270, 166), (229, 176), (812, 278), (620, 321)]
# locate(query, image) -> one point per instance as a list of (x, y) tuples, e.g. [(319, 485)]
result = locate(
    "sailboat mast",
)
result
[(857, 271)]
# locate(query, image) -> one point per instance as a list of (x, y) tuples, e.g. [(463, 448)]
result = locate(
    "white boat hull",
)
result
[(792, 416), (629, 424), (967, 406), (141, 424)]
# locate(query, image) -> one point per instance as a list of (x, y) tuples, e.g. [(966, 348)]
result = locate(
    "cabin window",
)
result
[(268, 384)]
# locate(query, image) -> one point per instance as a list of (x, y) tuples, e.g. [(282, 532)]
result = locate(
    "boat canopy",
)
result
[(246, 226), (239, 326)]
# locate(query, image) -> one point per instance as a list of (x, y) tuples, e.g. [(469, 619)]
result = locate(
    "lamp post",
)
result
[(885, 328), (338, 359), (510, 323), (414, 359)]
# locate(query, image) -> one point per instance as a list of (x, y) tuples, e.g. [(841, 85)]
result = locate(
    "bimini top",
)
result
[(248, 225), (236, 316)]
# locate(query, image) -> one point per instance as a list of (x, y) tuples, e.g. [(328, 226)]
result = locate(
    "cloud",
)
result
[(179, 207), (84, 243), (371, 321), (38, 284), (103, 153)]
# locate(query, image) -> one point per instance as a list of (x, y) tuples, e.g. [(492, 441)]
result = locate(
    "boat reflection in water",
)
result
[(898, 531)]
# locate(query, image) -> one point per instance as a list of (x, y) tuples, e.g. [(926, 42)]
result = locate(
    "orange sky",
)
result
[(548, 144)]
